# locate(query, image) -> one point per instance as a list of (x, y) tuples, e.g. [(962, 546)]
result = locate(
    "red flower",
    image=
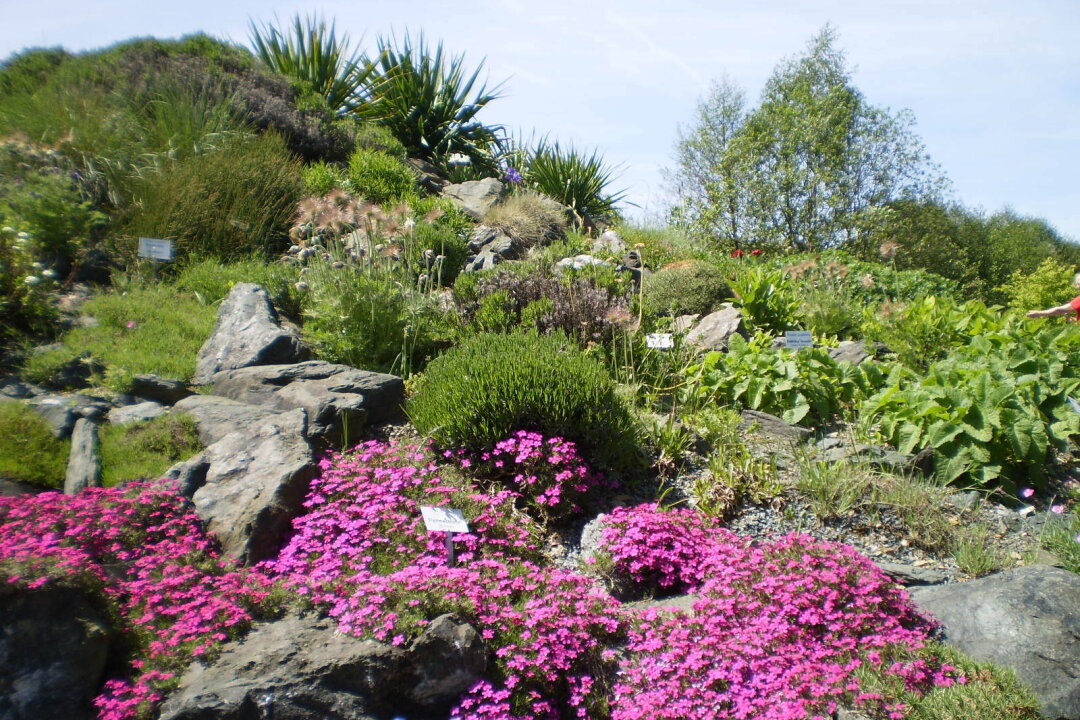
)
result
[(737, 253), (756, 252)]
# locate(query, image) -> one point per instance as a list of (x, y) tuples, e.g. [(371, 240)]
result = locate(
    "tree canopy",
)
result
[(808, 168)]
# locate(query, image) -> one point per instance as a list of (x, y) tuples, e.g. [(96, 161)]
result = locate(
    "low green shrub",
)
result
[(1049, 285), (25, 286), (492, 385), (210, 279), (685, 288), (51, 208), (990, 410), (321, 178), (378, 177), (223, 204), (28, 451), (370, 136), (143, 451)]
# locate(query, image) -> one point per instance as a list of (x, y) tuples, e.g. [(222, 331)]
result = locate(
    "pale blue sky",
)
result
[(994, 84)]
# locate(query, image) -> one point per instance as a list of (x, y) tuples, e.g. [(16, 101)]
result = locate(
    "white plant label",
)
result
[(155, 249), (438, 519), (660, 340), (798, 339)]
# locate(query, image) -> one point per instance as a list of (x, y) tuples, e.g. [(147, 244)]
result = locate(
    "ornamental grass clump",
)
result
[(490, 385), (141, 550)]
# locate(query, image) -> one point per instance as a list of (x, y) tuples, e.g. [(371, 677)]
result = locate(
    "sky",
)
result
[(994, 85)]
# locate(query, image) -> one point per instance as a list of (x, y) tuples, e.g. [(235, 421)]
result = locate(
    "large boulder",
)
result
[(163, 390), (714, 331), (339, 400), (1026, 619), (53, 648), (475, 197), (248, 486), (215, 416), (303, 669), (248, 332)]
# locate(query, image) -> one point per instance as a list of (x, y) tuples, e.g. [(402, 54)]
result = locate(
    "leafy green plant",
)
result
[(1059, 536), (430, 103), (50, 207), (25, 288), (1046, 286), (685, 288), (28, 451), (313, 53), (990, 410), (578, 181), (491, 385), (925, 330), (973, 554), (320, 178), (767, 298), (379, 177), (224, 204), (833, 488), (143, 451), (806, 386)]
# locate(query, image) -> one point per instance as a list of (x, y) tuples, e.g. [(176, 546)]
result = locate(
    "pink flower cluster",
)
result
[(143, 549), (362, 553), (547, 474), (778, 631)]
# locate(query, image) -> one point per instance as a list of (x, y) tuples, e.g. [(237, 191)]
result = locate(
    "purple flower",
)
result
[(1026, 492), (513, 176), (1057, 509)]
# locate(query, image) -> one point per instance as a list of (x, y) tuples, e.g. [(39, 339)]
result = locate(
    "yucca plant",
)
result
[(312, 52), (576, 180), (430, 103)]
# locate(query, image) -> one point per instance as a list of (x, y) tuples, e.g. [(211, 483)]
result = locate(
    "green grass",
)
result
[(167, 328), (1059, 536), (28, 451), (137, 451)]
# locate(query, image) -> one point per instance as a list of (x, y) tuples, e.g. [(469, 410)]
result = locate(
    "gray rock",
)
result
[(1026, 619), (911, 575), (53, 648), (428, 176), (684, 323), (773, 427), (58, 411), (75, 373), (247, 333), (14, 488), (163, 390), (303, 669), (486, 260), (483, 235), (714, 331), (248, 486), (137, 413), (216, 416), (609, 242), (475, 197), (852, 351), (579, 262), (84, 462), (13, 387), (339, 400)]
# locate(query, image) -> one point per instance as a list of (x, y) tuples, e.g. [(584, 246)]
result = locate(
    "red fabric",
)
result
[(1075, 305)]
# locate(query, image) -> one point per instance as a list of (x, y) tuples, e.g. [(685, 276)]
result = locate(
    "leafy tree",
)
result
[(808, 168)]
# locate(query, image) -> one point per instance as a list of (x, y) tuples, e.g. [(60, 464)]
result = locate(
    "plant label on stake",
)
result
[(799, 339), (662, 341), (447, 520), (155, 249)]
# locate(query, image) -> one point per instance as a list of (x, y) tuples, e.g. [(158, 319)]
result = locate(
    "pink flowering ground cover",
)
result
[(142, 549), (783, 629)]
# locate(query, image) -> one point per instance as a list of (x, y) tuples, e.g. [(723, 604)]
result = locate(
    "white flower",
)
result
[(50, 273), (24, 235), (7, 229), (31, 280)]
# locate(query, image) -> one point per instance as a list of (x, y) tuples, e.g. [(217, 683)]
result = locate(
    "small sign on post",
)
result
[(663, 341), (798, 339), (448, 520), (155, 249)]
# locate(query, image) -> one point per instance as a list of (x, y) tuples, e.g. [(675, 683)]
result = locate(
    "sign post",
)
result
[(155, 249), (798, 339), (448, 520)]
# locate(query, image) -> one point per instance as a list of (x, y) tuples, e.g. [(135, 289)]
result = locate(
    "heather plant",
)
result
[(224, 204), (29, 452), (685, 288), (143, 553), (523, 381), (378, 177)]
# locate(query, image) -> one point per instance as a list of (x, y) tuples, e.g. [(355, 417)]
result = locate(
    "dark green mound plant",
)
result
[(492, 385), (29, 452), (685, 288), (378, 177), (224, 204), (144, 451)]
